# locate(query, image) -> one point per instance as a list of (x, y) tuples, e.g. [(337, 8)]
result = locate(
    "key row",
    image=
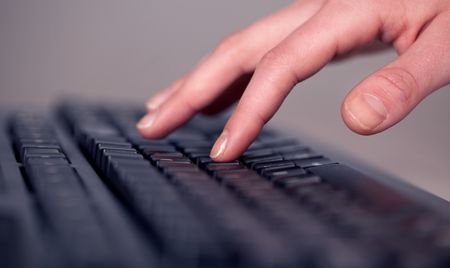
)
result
[(58, 190)]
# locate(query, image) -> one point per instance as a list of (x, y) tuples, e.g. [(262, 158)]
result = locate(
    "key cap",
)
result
[(148, 150), (43, 177), (305, 163), (25, 146), (194, 156), (202, 161), (179, 169), (116, 165), (199, 150), (273, 165), (166, 164), (43, 156), (300, 155), (220, 174), (40, 151), (214, 166), (256, 160), (100, 148), (107, 158), (58, 160), (140, 141), (257, 153), (297, 181), (167, 156), (290, 172)]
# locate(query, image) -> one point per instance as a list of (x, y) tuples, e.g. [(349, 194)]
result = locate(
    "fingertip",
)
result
[(145, 123), (352, 122), (220, 146), (147, 127)]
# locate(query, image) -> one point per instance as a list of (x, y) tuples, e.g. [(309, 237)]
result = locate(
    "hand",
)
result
[(262, 63)]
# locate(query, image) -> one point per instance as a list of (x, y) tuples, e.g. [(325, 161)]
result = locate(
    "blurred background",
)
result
[(127, 50)]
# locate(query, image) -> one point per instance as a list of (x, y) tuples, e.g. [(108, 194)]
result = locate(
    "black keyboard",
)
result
[(82, 188)]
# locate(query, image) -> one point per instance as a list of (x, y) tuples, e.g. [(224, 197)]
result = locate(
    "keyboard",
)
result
[(81, 188)]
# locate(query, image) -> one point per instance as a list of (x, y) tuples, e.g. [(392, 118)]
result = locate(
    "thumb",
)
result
[(388, 95)]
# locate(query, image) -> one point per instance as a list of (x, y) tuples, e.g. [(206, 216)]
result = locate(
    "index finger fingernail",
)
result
[(220, 145)]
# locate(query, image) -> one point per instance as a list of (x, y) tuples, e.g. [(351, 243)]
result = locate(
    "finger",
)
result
[(334, 30), (387, 96), (229, 96), (156, 101), (235, 56)]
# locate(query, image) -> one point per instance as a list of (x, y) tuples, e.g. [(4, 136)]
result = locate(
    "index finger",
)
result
[(333, 30)]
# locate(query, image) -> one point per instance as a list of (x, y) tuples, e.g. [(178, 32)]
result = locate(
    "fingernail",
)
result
[(147, 121), (220, 145), (368, 110)]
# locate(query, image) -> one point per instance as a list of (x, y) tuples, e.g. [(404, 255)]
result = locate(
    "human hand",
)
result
[(289, 46)]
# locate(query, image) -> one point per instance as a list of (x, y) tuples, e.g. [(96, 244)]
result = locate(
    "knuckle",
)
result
[(229, 44), (261, 120), (193, 105), (279, 68), (348, 5), (277, 62), (274, 58), (399, 83)]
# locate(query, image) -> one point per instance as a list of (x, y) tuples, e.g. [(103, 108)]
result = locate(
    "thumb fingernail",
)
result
[(368, 110)]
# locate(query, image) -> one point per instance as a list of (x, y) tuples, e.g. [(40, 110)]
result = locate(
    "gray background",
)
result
[(127, 50)]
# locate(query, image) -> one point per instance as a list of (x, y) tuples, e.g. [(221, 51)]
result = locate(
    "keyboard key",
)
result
[(220, 174), (168, 156), (28, 146), (265, 159), (257, 153), (305, 163), (273, 165), (202, 161), (148, 150), (297, 181), (290, 172), (40, 151), (58, 160), (300, 155), (177, 163), (215, 166)]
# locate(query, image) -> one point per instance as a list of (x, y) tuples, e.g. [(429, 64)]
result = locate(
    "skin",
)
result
[(261, 64)]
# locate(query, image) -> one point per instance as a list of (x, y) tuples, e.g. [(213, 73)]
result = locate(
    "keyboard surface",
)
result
[(82, 188)]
